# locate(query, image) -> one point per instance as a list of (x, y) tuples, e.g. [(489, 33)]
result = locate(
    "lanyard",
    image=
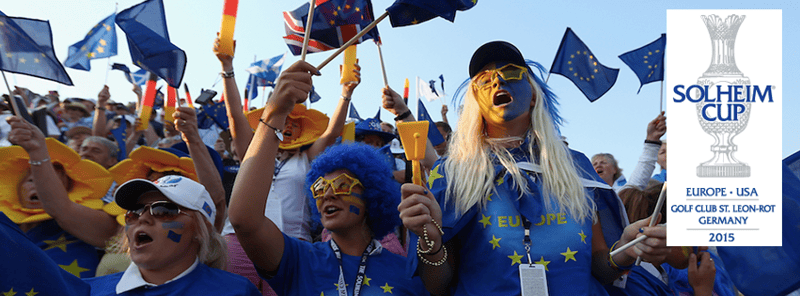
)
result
[(362, 268), (280, 164), (527, 239)]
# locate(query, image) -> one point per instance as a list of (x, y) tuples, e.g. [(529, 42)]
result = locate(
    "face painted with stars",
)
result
[(503, 93), (156, 243)]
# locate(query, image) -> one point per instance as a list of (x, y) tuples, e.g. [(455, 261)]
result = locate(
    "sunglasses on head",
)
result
[(342, 184), (508, 72), (161, 210)]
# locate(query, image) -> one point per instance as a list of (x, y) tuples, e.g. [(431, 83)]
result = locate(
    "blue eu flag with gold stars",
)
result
[(412, 12), (100, 42), (434, 136), (26, 47), (213, 114), (575, 61), (647, 61)]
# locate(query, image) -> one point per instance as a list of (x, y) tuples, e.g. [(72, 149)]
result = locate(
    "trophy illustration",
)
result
[(723, 71)]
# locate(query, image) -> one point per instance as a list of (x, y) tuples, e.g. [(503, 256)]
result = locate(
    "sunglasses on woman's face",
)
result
[(342, 184), (507, 72), (161, 210)]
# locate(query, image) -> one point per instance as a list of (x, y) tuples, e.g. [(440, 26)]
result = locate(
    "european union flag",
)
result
[(26, 47), (100, 42), (771, 270), (335, 22), (267, 70), (575, 61), (353, 113), (214, 114), (433, 133), (412, 12), (146, 28), (647, 61), (120, 134)]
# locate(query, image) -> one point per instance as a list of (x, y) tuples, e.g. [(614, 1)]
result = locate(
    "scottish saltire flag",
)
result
[(120, 134), (335, 22), (100, 42), (647, 61), (148, 40), (575, 61), (26, 47), (268, 70), (253, 82), (353, 113), (772, 270), (412, 12), (433, 133), (139, 77), (313, 96)]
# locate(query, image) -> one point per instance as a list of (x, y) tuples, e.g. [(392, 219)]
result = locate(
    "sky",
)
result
[(616, 123)]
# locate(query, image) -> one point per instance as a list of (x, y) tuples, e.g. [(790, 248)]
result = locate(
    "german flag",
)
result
[(146, 107), (169, 104), (228, 24)]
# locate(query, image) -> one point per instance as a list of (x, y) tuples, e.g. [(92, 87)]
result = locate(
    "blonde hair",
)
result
[(471, 172)]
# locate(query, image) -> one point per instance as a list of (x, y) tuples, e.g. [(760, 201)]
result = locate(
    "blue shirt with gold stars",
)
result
[(69, 252), (312, 269), (490, 238)]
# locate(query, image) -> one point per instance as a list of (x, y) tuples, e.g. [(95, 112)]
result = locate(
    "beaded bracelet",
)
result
[(614, 264), (428, 262), (429, 243), (37, 163)]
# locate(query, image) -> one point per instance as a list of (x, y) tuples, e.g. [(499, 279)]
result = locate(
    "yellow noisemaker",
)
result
[(414, 136)]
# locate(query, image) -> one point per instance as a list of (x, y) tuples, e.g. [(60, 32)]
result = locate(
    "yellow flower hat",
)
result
[(139, 164), (312, 124), (90, 180)]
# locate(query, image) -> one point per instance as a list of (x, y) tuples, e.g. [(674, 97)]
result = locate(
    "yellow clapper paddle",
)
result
[(414, 136)]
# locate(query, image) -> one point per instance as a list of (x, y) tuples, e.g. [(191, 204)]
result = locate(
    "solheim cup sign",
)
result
[(723, 72)]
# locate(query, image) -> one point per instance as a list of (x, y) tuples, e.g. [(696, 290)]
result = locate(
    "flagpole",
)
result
[(661, 101), (383, 68), (548, 78), (309, 25), (352, 40), (11, 96)]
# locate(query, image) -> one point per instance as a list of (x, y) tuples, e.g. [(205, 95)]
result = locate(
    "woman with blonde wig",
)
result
[(507, 174)]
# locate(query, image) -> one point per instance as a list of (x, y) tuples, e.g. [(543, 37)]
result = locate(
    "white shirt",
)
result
[(132, 278)]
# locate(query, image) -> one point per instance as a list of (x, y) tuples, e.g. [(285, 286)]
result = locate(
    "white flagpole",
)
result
[(383, 68), (353, 40)]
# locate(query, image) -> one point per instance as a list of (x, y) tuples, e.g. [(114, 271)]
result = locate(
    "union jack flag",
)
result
[(335, 22)]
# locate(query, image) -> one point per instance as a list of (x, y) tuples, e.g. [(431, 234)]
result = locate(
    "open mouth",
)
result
[(331, 209), (141, 238), (599, 171), (287, 133), (501, 98)]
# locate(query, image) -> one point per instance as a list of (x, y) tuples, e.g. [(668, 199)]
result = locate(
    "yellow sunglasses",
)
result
[(507, 72), (342, 184)]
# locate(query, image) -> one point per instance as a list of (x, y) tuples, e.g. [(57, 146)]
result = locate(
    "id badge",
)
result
[(532, 280)]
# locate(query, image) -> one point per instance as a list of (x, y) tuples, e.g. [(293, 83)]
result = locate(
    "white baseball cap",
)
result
[(396, 148), (178, 189)]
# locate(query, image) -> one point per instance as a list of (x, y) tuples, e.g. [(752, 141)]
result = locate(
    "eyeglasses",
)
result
[(161, 210), (342, 184), (507, 72)]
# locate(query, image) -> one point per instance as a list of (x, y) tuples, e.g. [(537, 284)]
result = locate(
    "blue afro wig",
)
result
[(381, 191)]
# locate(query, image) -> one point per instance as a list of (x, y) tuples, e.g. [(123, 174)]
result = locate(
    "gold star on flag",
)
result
[(572, 56), (2, 24), (337, 285), (570, 69), (387, 289), (321, 293), (36, 60), (366, 280), (516, 258), (43, 54), (60, 243), (486, 220), (347, 6), (569, 254), (100, 49), (489, 198), (31, 293), (8, 55), (73, 268), (414, 22), (90, 32), (495, 242), (583, 236), (332, 22), (22, 60), (10, 292), (591, 57), (434, 175), (542, 262), (102, 42), (90, 55), (358, 9), (500, 181), (108, 28), (335, 13)]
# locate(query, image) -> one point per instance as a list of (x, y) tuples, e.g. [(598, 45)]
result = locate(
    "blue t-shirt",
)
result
[(203, 280), (312, 269), (27, 270), (490, 239), (69, 252)]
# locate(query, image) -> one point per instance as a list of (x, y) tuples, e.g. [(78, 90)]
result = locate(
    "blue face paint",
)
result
[(174, 236), (355, 210), (520, 91), (172, 225)]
